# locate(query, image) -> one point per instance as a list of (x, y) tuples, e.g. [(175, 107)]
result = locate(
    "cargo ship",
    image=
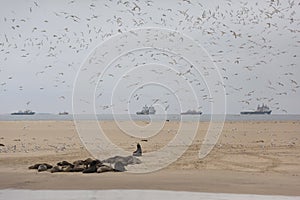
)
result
[(191, 112), (147, 111), (63, 113), (26, 112), (264, 109)]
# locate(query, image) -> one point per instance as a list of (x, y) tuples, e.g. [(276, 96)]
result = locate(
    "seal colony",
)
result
[(89, 165)]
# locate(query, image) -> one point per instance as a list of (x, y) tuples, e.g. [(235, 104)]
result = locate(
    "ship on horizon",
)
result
[(147, 110), (264, 109), (63, 113), (191, 112), (26, 112)]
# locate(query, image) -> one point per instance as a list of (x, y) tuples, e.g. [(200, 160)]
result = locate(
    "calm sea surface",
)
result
[(157, 117)]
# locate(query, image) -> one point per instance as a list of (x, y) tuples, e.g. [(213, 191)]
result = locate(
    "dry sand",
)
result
[(250, 157)]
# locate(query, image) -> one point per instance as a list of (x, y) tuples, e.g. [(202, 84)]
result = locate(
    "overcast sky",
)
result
[(249, 49)]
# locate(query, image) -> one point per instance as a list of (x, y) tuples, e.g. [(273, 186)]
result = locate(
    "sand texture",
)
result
[(250, 157)]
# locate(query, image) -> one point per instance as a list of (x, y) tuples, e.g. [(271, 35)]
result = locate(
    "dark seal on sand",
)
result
[(93, 166), (56, 169), (65, 163), (138, 151)]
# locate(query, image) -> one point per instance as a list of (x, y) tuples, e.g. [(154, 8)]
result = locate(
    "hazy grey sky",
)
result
[(45, 44)]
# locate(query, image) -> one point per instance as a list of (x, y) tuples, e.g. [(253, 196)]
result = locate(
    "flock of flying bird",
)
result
[(254, 45)]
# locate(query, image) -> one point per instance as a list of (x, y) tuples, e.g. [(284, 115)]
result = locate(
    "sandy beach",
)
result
[(250, 157)]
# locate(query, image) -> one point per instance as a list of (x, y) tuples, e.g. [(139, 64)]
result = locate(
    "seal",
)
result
[(138, 151), (105, 168), (64, 163), (119, 167), (78, 166), (36, 166), (92, 167), (56, 169), (87, 162), (42, 168), (129, 160), (78, 162), (68, 168)]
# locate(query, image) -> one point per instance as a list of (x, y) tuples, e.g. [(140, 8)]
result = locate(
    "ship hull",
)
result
[(197, 113), (23, 113), (63, 113), (141, 113), (255, 113)]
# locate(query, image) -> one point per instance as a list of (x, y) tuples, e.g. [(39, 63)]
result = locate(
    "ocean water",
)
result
[(157, 117)]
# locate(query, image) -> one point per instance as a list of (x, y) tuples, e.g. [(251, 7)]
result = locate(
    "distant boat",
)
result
[(63, 113), (147, 111), (264, 109), (191, 112), (26, 112)]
